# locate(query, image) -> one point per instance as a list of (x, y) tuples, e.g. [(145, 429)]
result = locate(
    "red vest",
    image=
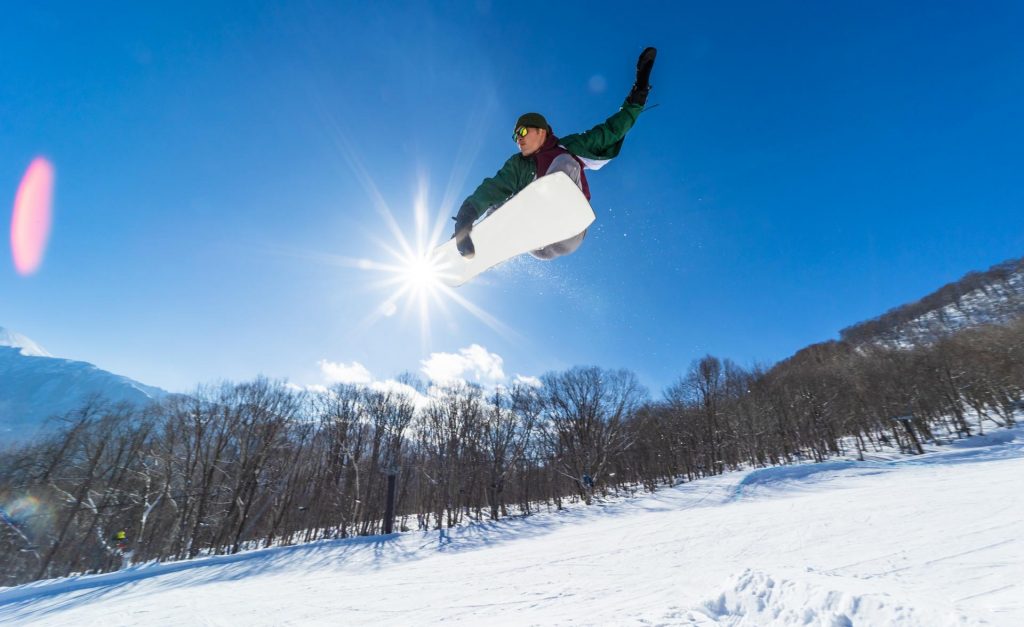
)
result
[(547, 154)]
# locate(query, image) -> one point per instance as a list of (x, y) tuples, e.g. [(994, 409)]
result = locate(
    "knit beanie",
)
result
[(533, 120)]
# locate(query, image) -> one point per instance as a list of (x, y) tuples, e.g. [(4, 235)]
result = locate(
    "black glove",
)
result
[(463, 226), (642, 86)]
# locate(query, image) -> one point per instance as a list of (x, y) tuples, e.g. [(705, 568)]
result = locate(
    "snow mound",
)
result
[(796, 477), (754, 597), (993, 438)]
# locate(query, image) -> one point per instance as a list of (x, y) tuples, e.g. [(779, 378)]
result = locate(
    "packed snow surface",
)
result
[(925, 540)]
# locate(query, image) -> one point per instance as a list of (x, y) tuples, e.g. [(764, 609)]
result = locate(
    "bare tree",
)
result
[(585, 412)]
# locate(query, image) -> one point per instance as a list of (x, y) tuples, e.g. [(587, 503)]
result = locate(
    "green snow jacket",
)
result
[(593, 148)]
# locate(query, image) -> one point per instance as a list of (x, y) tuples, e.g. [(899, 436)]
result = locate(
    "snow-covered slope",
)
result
[(929, 540), (995, 296), (35, 386)]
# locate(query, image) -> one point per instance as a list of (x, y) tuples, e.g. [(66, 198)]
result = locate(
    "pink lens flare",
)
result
[(30, 225)]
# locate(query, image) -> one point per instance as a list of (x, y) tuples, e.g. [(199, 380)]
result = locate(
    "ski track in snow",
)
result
[(925, 540)]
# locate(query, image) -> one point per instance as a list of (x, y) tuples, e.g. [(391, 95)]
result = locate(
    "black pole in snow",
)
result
[(389, 508)]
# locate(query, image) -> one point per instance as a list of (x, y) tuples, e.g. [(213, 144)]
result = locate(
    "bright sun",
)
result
[(412, 276), (406, 271), (422, 273)]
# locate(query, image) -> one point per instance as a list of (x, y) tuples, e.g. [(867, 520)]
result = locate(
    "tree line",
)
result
[(257, 464)]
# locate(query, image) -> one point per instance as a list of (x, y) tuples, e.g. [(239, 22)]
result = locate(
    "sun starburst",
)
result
[(411, 276)]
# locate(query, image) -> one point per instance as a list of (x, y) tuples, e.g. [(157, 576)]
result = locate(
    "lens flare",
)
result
[(22, 508), (30, 225), (27, 516)]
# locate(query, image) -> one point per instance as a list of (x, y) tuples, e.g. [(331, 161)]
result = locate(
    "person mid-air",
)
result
[(541, 152)]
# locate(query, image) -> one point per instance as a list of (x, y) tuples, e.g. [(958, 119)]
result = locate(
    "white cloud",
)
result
[(532, 382), (419, 400), (345, 373), (473, 364), (356, 373), (315, 388)]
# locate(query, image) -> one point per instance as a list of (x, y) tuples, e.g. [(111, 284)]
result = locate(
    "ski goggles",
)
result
[(519, 133)]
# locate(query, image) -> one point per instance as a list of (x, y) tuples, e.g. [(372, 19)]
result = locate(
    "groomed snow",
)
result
[(927, 540)]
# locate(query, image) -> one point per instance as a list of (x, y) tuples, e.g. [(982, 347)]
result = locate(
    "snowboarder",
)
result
[(542, 152)]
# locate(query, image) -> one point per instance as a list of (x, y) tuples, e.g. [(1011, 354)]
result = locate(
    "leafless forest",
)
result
[(256, 464)]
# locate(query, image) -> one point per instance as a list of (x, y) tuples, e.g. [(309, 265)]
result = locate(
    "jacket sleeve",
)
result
[(604, 141), (495, 190)]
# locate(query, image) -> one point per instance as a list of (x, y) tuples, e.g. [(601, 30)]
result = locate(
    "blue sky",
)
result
[(809, 166)]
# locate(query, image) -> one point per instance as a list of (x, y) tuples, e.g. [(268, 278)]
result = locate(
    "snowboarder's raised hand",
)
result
[(463, 226), (642, 86)]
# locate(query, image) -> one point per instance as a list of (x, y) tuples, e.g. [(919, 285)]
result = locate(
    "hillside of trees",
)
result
[(257, 464), (995, 296)]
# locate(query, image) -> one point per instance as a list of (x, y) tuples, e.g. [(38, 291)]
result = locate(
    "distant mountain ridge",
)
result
[(27, 347), (35, 385), (995, 296)]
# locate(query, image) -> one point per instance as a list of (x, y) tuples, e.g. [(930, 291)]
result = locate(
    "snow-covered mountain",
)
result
[(995, 296), (34, 385)]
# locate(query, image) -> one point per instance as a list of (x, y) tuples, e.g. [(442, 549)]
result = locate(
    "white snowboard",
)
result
[(549, 210)]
